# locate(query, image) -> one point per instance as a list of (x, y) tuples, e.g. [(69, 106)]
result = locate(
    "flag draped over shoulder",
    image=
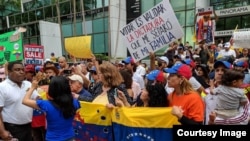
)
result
[(139, 123), (93, 123)]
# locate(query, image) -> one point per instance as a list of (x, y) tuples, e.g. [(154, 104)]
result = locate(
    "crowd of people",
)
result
[(207, 84)]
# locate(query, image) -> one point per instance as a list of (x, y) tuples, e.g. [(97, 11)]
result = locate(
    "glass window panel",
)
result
[(189, 33), (79, 28), (78, 6), (146, 5), (65, 8), (216, 1), (178, 5), (246, 21), (157, 1), (89, 4), (106, 2), (106, 13), (39, 14), (220, 24), (98, 25), (98, 4), (231, 23), (33, 40), (106, 40), (88, 27), (67, 30), (233, 4), (246, 2), (25, 41), (25, 17), (18, 19), (32, 16), (48, 12), (190, 18), (181, 17), (219, 6), (190, 4), (106, 24), (12, 20), (88, 15), (99, 44), (54, 11), (98, 15)]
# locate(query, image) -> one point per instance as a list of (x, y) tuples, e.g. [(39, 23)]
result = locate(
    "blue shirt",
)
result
[(85, 95), (58, 128)]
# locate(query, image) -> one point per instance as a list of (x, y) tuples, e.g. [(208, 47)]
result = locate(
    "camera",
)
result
[(67, 72)]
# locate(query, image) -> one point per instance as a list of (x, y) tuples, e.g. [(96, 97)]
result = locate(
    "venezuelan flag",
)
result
[(143, 124), (93, 123)]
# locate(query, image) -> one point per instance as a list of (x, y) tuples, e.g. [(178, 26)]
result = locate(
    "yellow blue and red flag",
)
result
[(139, 123), (93, 123)]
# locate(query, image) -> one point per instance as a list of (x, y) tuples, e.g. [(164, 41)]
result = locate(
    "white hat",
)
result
[(76, 77), (47, 60), (227, 45), (165, 59)]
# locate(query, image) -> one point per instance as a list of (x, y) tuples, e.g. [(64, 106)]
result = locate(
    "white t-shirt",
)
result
[(11, 97), (141, 70), (230, 52), (195, 84), (139, 79)]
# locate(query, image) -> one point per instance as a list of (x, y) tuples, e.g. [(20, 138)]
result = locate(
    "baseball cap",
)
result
[(128, 60), (224, 63), (48, 60), (2, 74), (38, 68), (164, 58), (181, 69), (227, 44), (29, 68), (93, 69), (155, 75), (189, 62), (243, 64), (76, 77)]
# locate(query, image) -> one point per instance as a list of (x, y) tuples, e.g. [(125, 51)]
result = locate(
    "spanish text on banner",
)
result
[(151, 31)]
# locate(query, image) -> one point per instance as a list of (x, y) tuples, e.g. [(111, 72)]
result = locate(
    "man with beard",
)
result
[(15, 118)]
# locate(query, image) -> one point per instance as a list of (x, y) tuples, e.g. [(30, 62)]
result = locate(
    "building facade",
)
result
[(103, 18)]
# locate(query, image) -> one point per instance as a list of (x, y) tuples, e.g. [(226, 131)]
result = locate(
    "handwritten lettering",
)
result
[(148, 27), (127, 29), (155, 12), (135, 44)]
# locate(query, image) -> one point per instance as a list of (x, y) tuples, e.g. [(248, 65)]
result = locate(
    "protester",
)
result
[(211, 99), (111, 80), (229, 94), (60, 108), (186, 103), (153, 96), (79, 92), (15, 117)]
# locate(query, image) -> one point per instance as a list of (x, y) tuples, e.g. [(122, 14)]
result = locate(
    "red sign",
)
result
[(34, 54)]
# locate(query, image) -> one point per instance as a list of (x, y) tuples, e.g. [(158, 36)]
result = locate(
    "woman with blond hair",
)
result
[(187, 105), (111, 81)]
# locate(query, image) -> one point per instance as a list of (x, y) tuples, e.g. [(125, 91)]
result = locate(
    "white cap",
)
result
[(47, 60), (76, 77), (165, 59), (227, 45)]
